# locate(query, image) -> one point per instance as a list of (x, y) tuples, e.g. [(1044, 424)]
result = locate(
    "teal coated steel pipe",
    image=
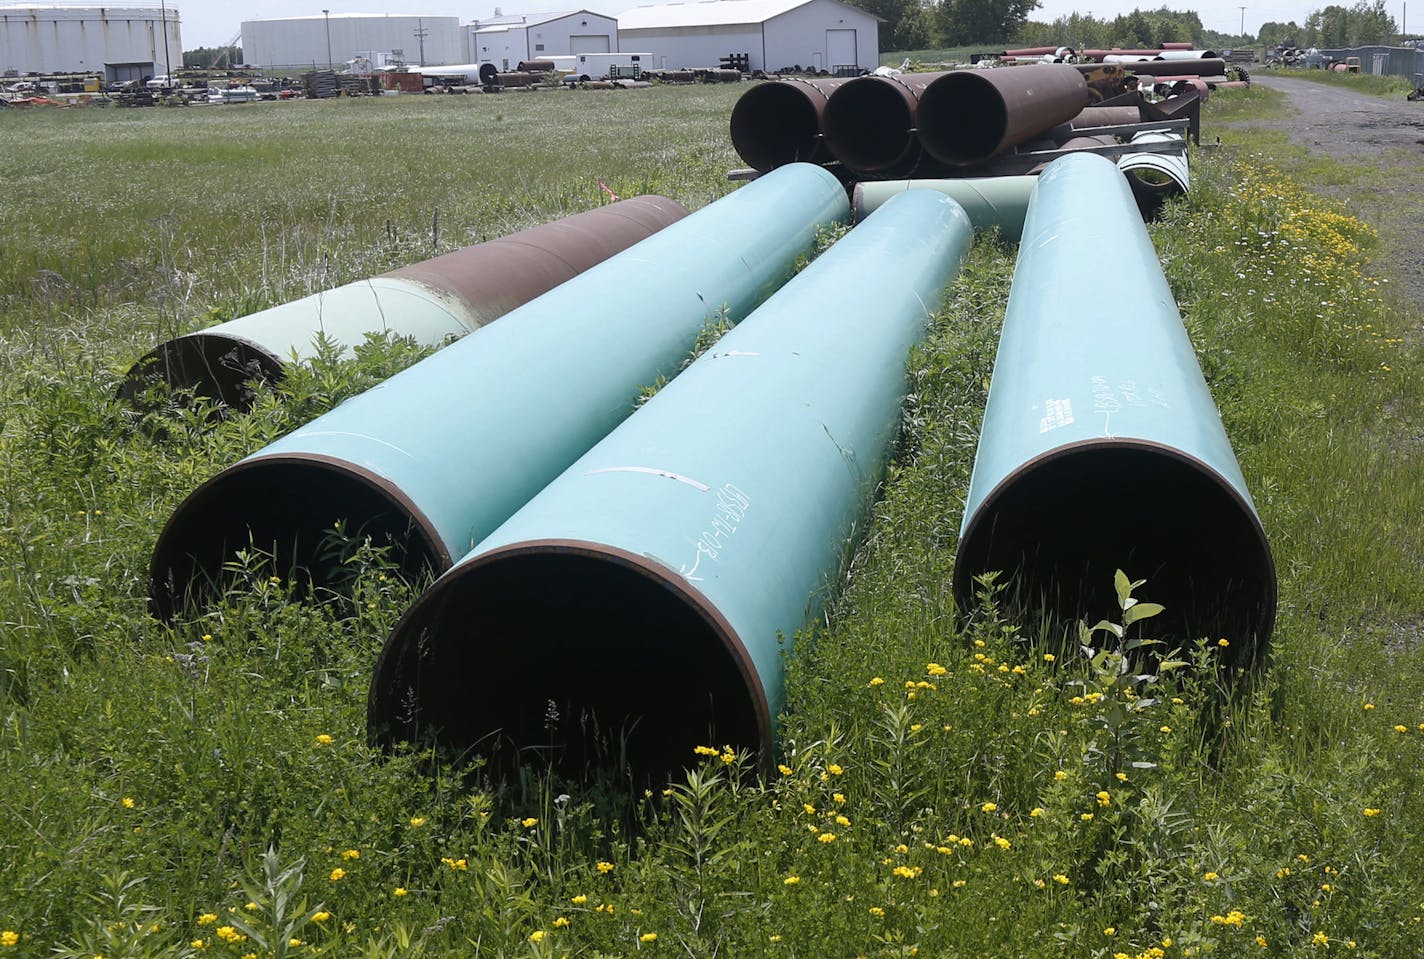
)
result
[(1000, 201), (1101, 447), (651, 591), (438, 299), (435, 458)]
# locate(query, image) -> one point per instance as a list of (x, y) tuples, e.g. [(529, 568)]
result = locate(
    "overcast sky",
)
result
[(210, 23)]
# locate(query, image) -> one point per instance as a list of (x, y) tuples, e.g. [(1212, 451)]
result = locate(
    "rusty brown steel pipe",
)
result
[(869, 123), (779, 122), (968, 116), (431, 301)]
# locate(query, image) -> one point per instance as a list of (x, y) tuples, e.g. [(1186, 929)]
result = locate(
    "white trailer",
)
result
[(598, 66)]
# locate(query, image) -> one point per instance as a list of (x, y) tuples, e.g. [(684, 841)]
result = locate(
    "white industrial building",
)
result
[(117, 43), (506, 40), (322, 40), (817, 34)]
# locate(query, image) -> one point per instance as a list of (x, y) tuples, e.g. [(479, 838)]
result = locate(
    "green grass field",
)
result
[(205, 788)]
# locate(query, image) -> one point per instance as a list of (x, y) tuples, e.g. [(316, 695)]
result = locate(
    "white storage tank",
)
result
[(117, 43), (329, 40)]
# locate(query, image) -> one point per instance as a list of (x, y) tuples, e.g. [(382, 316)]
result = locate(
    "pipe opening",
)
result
[(568, 656), (1060, 525), (285, 508), (870, 125), (775, 124), (965, 118), (216, 367)]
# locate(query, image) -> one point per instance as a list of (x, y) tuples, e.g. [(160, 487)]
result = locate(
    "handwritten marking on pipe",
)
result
[(653, 471), (1057, 413), (718, 356), (727, 516)]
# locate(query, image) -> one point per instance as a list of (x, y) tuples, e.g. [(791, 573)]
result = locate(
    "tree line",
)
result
[(933, 24)]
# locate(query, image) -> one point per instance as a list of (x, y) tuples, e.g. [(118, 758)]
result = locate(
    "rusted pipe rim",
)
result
[(777, 123), (617, 643), (283, 505), (216, 366), (869, 125), (1061, 523)]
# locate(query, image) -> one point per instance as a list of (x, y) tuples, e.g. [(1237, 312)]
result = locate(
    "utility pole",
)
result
[(163, 12), (1243, 23), (329, 64), (420, 33)]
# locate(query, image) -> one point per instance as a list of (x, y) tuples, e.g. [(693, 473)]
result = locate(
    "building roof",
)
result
[(435, 18), (706, 13), (532, 19)]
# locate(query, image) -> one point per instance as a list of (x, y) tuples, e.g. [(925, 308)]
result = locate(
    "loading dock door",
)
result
[(589, 44), (840, 49)]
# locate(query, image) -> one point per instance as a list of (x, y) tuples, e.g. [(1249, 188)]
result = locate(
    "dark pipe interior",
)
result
[(285, 508), (870, 125), (963, 118), (1062, 524), (216, 367), (570, 660), (776, 123)]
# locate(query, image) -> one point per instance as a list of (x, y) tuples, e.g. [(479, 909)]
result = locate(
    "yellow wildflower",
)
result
[(9, 937), (294, 942), (1261, 941), (989, 807), (351, 854), (324, 740), (877, 681), (579, 900), (128, 802), (561, 922), (207, 919), (1086, 817), (417, 821), (790, 880), (1035, 812), (1103, 798), (838, 797), (1049, 657), (401, 891), (706, 750), (876, 911), (1210, 877), (529, 823), (1370, 811), (842, 821), (1399, 729), (958, 884), (337, 874), (935, 669), (537, 935), (1110, 931), (1001, 842), (229, 934), (648, 937), (320, 916), (1320, 939), (810, 809), (605, 867), (1060, 775), (826, 837), (784, 769), (834, 769), (1061, 879)]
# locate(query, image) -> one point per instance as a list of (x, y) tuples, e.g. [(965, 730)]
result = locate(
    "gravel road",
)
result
[(1387, 134)]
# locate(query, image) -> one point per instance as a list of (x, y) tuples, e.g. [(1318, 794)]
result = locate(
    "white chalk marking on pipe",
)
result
[(651, 471), (1057, 413), (718, 356)]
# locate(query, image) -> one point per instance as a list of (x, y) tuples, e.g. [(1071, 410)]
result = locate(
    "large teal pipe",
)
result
[(431, 461), (999, 202), (433, 301), (1101, 446), (651, 592)]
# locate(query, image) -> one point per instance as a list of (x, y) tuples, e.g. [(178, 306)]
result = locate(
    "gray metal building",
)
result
[(813, 34)]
